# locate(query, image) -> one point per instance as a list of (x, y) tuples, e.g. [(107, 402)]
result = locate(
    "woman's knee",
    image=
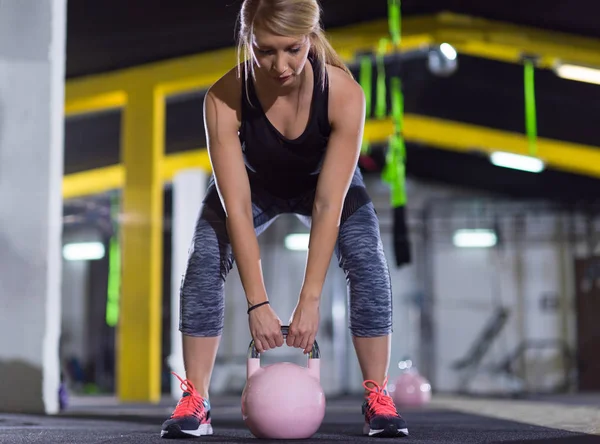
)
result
[(359, 246), (359, 331), (202, 290), (362, 257)]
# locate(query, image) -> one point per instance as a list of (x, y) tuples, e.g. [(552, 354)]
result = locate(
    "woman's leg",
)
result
[(203, 289), (202, 297), (361, 256), (201, 319)]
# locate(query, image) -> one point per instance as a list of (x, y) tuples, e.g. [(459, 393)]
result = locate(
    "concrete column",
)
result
[(32, 58), (189, 187)]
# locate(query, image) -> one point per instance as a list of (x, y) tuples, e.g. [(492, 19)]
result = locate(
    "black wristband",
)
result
[(257, 305)]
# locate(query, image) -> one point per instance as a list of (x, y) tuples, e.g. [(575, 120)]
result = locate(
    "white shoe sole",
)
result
[(390, 432), (204, 429)]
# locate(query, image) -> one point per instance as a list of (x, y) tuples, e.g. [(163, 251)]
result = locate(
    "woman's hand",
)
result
[(265, 328), (304, 325)]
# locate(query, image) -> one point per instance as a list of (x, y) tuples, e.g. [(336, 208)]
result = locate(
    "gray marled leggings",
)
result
[(359, 251)]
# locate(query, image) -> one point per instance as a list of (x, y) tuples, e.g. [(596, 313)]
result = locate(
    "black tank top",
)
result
[(283, 167)]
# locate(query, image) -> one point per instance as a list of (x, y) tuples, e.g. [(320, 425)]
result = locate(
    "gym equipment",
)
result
[(530, 106), (410, 388), (283, 400), (514, 367), (394, 171), (469, 365)]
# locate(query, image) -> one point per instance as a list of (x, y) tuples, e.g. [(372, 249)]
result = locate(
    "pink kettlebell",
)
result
[(283, 400), (410, 388)]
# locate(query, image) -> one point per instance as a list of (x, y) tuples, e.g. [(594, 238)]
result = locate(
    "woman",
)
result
[(284, 131)]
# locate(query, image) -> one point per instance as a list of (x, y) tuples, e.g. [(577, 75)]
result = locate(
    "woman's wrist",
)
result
[(308, 294), (257, 298), (253, 307)]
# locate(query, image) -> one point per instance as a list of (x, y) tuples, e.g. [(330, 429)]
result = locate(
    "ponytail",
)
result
[(327, 55)]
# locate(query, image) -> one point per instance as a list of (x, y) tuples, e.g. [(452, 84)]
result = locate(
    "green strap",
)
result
[(366, 82), (394, 11), (114, 270), (530, 109), (397, 104), (381, 104), (394, 172)]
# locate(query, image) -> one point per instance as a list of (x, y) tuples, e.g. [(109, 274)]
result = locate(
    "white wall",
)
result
[(470, 283)]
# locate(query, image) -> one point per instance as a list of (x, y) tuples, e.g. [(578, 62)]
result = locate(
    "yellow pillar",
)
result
[(140, 325)]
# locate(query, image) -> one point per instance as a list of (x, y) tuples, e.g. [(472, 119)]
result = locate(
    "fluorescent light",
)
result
[(578, 73), (517, 162), (297, 241), (448, 51), (474, 238), (84, 251)]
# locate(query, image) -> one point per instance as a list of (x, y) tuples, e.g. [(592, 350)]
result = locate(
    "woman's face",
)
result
[(280, 59)]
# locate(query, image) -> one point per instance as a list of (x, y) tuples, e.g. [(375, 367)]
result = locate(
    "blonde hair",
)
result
[(287, 18)]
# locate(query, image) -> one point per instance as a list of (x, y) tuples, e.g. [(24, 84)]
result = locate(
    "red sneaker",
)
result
[(191, 416), (381, 417)]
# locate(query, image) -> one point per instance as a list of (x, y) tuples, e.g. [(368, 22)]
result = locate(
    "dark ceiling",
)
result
[(112, 34), (109, 35)]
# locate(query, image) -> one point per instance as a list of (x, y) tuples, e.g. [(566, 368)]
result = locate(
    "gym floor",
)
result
[(448, 419)]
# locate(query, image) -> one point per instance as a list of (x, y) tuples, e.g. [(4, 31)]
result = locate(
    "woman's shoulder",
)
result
[(344, 90), (227, 90)]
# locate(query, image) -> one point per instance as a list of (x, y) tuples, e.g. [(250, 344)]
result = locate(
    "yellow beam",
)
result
[(437, 133), (189, 159), (96, 181), (79, 102), (102, 180), (140, 326), (466, 138), (462, 137), (508, 42)]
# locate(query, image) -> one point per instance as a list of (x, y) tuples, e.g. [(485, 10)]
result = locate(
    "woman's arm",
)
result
[(231, 178), (225, 153), (347, 115)]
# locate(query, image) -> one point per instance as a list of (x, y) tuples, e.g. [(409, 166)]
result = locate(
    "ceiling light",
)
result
[(517, 162), (448, 50), (442, 60), (478, 238), (83, 251), (578, 73)]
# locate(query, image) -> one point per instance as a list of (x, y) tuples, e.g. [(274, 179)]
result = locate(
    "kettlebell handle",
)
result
[(314, 353)]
